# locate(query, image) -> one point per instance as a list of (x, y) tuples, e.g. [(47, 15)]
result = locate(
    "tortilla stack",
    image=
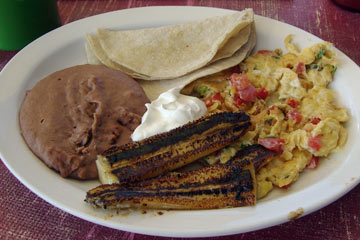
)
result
[(175, 54)]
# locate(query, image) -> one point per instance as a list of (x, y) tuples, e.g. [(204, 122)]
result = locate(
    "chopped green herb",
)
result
[(333, 68), (314, 66), (202, 90), (269, 136), (255, 67), (276, 57), (321, 53)]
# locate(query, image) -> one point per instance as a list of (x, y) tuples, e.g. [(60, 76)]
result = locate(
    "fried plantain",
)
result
[(165, 152), (217, 186)]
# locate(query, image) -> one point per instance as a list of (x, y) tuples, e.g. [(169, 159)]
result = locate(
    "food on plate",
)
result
[(164, 152), (172, 51), (72, 115), (292, 111), (217, 186), (268, 116)]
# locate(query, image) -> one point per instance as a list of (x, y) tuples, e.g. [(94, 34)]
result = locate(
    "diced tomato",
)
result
[(313, 163), (300, 68), (274, 144), (315, 142), (211, 100), (246, 91), (265, 52), (239, 81), (286, 186), (315, 120), (295, 115), (238, 100), (293, 103), (262, 93), (217, 97), (248, 94)]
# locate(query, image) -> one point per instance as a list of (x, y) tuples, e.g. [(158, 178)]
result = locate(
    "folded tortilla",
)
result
[(234, 44), (95, 55), (154, 88), (172, 51)]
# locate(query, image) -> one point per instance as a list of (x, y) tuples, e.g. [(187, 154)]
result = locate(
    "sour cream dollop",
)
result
[(170, 110)]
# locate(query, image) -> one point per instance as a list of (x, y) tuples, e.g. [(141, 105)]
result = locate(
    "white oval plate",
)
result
[(64, 47)]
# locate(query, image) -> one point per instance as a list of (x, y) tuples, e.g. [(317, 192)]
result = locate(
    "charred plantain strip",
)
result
[(168, 151), (216, 186), (258, 154), (211, 175), (154, 143)]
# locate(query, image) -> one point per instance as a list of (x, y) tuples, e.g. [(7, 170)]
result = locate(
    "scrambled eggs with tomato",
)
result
[(292, 110)]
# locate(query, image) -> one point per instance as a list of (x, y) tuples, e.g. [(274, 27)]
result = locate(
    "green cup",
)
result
[(22, 21)]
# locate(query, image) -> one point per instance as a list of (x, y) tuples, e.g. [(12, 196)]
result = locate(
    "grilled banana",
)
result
[(168, 151), (257, 154), (217, 186)]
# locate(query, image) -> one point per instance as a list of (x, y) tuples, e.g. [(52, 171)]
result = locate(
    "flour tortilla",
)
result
[(172, 51), (230, 48), (234, 44), (90, 55), (96, 56), (154, 88)]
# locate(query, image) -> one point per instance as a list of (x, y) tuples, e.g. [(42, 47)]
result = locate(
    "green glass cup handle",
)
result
[(22, 21)]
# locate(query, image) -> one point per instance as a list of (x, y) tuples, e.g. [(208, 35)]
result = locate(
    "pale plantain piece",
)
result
[(217, 186), (171, 150)]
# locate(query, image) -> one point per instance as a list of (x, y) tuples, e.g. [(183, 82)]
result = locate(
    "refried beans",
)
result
[(74, 114)]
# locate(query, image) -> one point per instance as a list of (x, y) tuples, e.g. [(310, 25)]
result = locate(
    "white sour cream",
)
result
[(170, 110)]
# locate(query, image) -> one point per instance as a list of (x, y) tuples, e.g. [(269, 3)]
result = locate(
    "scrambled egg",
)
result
[(287, 97)]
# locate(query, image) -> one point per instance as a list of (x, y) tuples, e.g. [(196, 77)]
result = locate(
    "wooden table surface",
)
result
[(23, 215)]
